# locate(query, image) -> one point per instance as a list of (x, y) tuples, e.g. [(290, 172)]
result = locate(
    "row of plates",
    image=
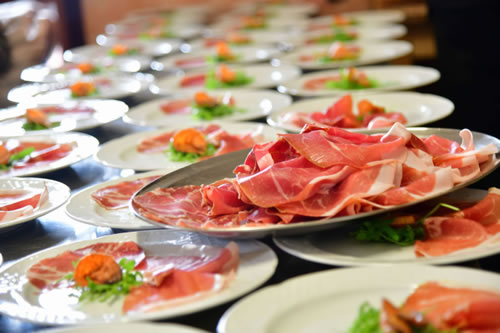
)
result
[(322, 302), (288, 78)]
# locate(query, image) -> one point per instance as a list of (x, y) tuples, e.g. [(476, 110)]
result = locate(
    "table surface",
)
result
[(57, 228)]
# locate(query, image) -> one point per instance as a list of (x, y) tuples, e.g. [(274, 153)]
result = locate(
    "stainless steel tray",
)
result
[(216, 168)]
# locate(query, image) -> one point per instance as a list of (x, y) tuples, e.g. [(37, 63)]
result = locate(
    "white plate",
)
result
[(244, 54), (83, 208), (337, 248), (85, 146), (377, 32), (100, 55), (301, 8), (128, 328), (381, 16), (54, 93), (329, 301), (264, 76), (19, 299), (394, 77), (370, 53), (58, 194), (153, 48), (184, 31), (122, 152), (257, 103), (12, 119), (419, 109)]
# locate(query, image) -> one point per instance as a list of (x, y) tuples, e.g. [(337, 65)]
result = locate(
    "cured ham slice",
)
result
[(222, 140), (449, 234), (191, 62), (193, 80), (446, 308), (48, 271), (321, 172), (486, 211), (187, 274), (180, 279), (315, 84), (341, 114), (118, 196), (17, 203), (177, 107), (161, 142)]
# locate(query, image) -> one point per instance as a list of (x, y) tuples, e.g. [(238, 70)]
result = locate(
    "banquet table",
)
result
[(57, 228)]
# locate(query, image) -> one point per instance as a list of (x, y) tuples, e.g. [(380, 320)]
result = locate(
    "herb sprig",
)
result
[(382, 230), (209, 113), (179, 156), (110, 292)]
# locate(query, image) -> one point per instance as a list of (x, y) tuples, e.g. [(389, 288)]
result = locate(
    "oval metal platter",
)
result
[(220, 167)]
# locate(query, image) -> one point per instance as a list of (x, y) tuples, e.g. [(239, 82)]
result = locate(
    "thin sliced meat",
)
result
[(44, 153), (118, 196), (321, 172), (445, 308), (48, 271), (182, 106), (445, 235), (319, 83), (63, 110), (183, 279), (193, 80), (486, 211), (17, 203), (384, 120), (190, 62)]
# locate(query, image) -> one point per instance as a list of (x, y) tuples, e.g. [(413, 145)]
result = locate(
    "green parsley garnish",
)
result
[(382, 231), (212, 82), (368, 321), (39, 127), (179, 156), (110, 292), (340, 36), (345, 84), (209, 113), (327, 59), (17, 157), (218, 58)]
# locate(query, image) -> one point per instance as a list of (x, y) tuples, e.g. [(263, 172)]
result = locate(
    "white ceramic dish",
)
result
[(116, 86), (184, 31), (419, 109), (376, 32), (153, 47), (84, 146), (390, 78), (264, 76), (329, 301), (12, 119), (370, 53), (127, 328), (58, 194), (257, 103), (20, 299), (122, 152), (83, 208), (381, 16), (244, 55), (338, 249)]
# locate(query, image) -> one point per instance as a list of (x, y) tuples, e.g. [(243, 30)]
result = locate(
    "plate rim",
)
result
[(268, 254)]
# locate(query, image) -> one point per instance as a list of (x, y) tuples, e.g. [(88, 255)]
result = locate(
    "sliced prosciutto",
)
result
[(222, 140), (48, 271), (193, 80), (44, 152), (181, 274), (174, 280), (182, 106), (341, 114), (17, 203), (321, 172), (466, 228), (118, 196), (446, 308)]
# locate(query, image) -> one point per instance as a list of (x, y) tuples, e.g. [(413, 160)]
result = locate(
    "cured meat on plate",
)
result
[(103, 272), (321, 172)]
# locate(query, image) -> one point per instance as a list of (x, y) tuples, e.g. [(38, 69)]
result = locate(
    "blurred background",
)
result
[(455, 36)]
